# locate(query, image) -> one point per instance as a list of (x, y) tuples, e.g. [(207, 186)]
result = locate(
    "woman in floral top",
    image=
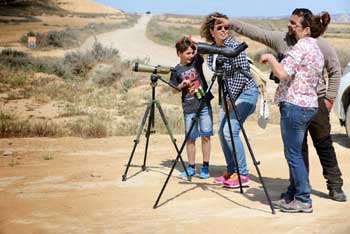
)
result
[(300, 73)]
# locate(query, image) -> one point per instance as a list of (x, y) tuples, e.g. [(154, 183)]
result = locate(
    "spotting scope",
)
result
[(138, 67), (204, 48)]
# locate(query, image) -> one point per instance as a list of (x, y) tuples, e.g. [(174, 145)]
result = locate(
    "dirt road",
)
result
[(132, 43)]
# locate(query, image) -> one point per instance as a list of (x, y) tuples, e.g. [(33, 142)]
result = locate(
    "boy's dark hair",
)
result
[(183, 44)]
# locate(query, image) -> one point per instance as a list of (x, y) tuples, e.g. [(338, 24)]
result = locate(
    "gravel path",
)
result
[(132, 43)]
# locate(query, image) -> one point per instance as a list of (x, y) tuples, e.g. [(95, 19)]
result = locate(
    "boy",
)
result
[(188, 77)]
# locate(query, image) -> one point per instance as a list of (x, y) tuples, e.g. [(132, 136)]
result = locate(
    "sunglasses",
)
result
[(220, 27)]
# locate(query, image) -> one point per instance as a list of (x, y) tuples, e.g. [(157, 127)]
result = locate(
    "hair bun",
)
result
[(325, 18)]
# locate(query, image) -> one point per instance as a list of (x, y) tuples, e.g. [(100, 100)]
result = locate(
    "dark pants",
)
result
[(319, 130)]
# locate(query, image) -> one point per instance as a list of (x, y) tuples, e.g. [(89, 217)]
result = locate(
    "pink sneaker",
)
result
[(224, 177), (234, 183)]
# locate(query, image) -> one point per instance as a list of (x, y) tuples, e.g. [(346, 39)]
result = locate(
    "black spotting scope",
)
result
[(204, 48), (151, 69)]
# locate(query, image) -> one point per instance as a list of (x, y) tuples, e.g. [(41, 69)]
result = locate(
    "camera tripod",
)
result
[(150, 114), (223, 87)]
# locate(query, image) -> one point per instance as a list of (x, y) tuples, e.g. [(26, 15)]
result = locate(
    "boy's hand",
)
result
[(184, 84), (193, 39)]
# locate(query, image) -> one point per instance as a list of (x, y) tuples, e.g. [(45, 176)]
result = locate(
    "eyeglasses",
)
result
[(221, 27), (294, 24)]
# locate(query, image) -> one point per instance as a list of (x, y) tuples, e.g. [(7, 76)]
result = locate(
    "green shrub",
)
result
[(11, 127), (15, 59), (62, 39), (91, 127)]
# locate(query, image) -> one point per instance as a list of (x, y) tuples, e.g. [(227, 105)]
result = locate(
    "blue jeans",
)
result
[(294, 122), (245, 104), (205, 122)]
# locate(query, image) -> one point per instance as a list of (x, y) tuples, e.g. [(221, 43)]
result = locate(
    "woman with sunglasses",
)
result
[(300, 73), (245, 94)]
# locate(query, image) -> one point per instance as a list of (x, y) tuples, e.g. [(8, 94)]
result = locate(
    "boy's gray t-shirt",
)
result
[(194, 73)]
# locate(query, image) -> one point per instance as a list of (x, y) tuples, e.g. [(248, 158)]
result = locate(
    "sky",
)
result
[(234, 8)]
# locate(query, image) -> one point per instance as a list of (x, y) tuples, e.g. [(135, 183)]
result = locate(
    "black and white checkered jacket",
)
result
[(237, 82)]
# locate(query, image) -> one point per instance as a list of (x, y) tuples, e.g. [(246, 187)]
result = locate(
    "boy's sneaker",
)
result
[(296, 206), (204, 174), (234, 182), (224, 177), (191, 172), (279, 203)]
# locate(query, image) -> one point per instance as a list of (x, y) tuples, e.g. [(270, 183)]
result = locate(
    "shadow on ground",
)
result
[(341, 139)]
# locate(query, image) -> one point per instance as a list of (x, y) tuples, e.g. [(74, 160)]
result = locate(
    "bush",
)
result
[(91, 127), (62, 39), (105, 75), (15, 59), (11, 127), (80, 63)]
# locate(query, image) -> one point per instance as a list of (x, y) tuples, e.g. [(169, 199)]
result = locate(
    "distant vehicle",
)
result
[(342, 102), (148, 12)]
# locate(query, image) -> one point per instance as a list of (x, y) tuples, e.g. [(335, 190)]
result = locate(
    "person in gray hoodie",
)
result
[(319, 127)]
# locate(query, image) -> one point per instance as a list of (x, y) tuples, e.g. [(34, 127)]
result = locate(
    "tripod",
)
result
[(223, 89), (150, 114)]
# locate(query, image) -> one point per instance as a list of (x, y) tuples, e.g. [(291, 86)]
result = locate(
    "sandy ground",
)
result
[(79, 190), (73, 185)]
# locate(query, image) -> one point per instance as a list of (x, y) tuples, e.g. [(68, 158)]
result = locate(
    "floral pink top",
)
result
[(304, 65)]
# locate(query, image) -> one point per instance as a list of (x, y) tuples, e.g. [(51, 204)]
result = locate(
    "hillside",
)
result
[(37, 7), (85, 6)]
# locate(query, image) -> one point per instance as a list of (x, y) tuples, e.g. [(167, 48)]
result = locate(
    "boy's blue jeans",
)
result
[(203, 126), (294, 122), (245, 104)]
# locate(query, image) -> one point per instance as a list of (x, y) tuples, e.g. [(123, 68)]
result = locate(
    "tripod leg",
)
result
[(137, 140), (148, 133), (250, 151), (194, 121), (256, 165), (234, 155), (173, 140)]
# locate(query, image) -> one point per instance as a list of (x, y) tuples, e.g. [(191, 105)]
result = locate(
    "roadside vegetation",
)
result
[(94, 93), (72, 37)]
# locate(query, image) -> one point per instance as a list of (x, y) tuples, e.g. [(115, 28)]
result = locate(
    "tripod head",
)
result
[(155, 71)]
